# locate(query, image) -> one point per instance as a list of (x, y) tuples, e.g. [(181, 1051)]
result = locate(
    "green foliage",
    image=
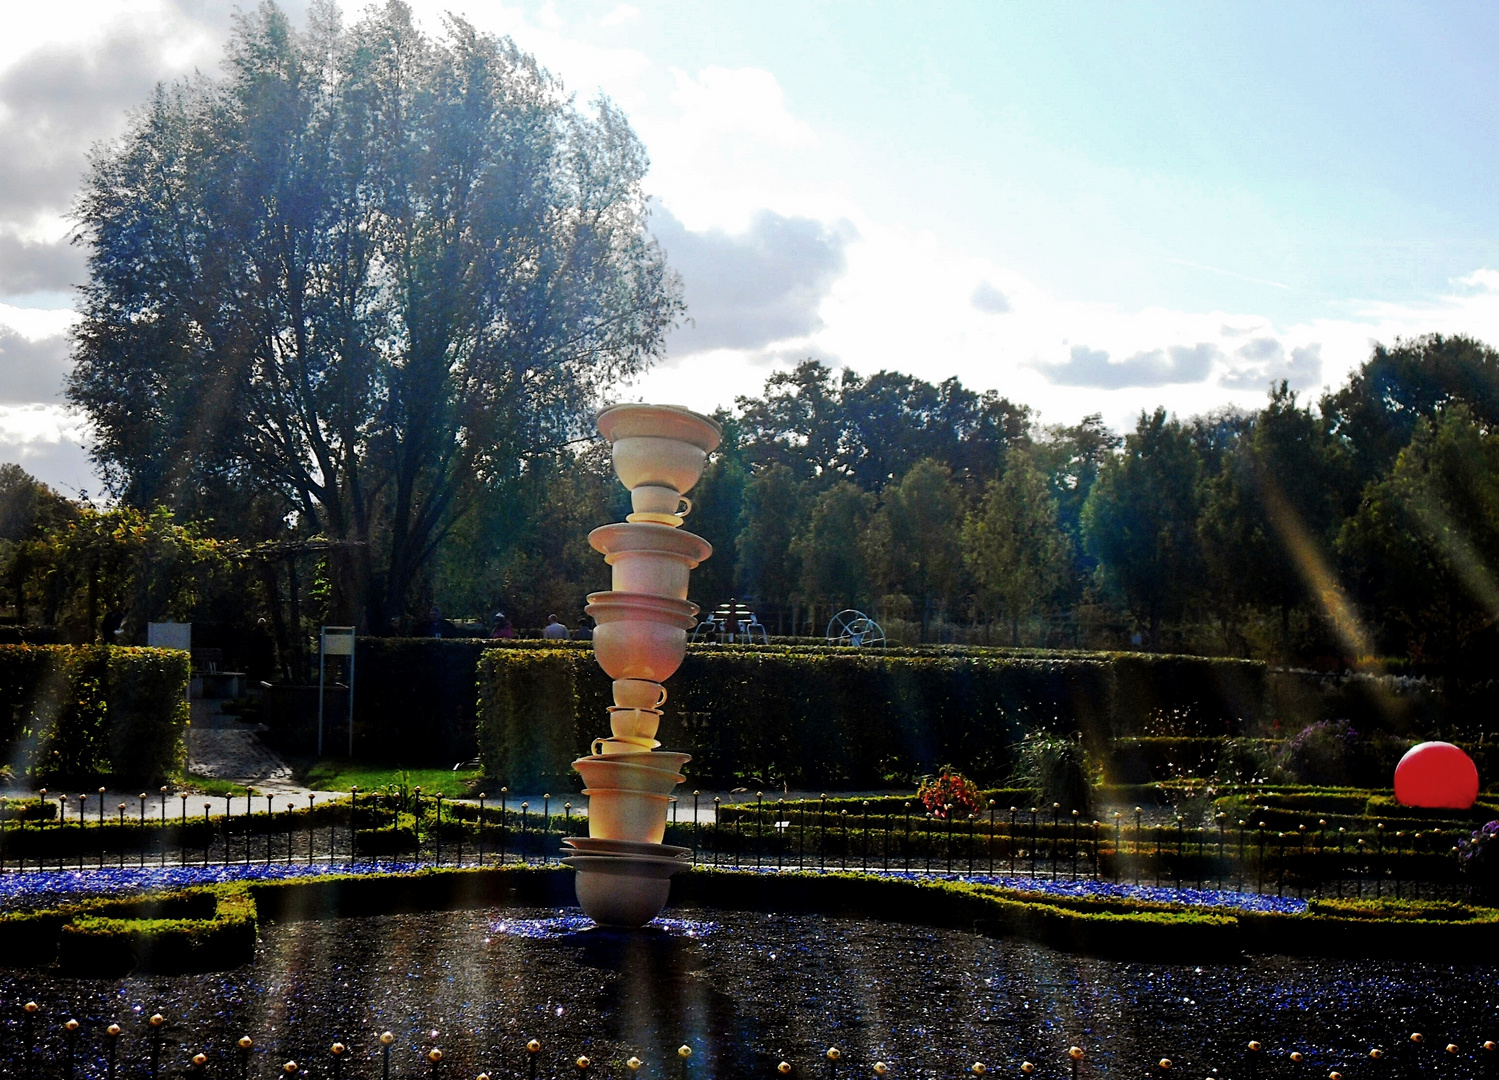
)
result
[(358, 278), (1140, 521), (826, 717), (914, 547), (200, 929), (1057, 769), (830, 550), (1426, 536), (1013, 547), (90, 711)]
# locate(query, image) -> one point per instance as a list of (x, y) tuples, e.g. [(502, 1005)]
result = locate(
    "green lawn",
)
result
[(334, 775)]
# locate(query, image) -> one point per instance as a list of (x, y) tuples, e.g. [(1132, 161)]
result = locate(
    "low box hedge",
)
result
[(209, 928), (829, 717)]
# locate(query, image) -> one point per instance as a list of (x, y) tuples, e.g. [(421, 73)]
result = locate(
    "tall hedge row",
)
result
[(70, 712), (839, 718)]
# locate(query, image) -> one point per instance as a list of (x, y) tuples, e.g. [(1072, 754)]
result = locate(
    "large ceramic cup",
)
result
[(650, 559), (663, 446), (604, 773), (634, 723), (616, 814), (638, 694), (640, 637), (622, 890)]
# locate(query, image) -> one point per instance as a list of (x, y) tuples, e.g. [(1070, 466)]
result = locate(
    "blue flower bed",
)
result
[(32, 888)]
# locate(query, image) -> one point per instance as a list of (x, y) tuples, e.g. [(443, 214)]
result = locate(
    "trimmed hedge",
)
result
[(200, 929), (214, 927), (828, 717), (76, 712)]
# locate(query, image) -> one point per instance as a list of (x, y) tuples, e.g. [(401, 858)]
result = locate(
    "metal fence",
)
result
[(884, 835)]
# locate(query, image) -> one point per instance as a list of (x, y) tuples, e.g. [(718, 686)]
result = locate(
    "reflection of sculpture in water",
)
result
[(639, 639)]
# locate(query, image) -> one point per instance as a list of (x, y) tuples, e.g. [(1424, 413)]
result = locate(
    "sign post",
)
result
[(335, 641)]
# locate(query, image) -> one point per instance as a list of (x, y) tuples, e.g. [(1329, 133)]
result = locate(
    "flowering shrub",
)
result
[(952, 789), (1479, 857)]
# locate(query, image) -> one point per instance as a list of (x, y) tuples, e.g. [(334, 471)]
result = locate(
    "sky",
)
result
[(1085, 207)]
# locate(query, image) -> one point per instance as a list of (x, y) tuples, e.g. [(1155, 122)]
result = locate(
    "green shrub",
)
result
[(80, 712), (1057, 770), (210, 928), (828, 717)]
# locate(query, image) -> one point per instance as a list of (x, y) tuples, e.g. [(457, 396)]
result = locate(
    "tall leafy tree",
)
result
[(1272, 511), (771, 513), (1140, 522), (834, 569), (1017, 553), (1377, 411), (368, 270), (1071, 456), (914, 543), (1424, 543)]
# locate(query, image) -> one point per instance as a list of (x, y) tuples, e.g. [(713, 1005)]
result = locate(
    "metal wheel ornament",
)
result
[(851, 627)]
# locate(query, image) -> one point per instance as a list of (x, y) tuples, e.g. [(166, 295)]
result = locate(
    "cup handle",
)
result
[(598, 747), (683, 511), (662, 699)]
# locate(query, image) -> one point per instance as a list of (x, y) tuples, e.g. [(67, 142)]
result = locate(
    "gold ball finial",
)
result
[(1297, 1057), (113, 1030), (31, 1007), (1490, 1045), (834, 1053), (72, 1025), (978, 1068), (482, 1076), (783, 1068), (337, 1049), (1075, 1053), (1334, 1075), (880, 1068), (1376, 1053), (1027, 1067), (684, 1051), (434, 1055), (386, 1038), (1417, 1037), (583, 1062), (200, 1060), (1255, 1046), (289, 1068), (533, 1047), (1165, 1063), (245, 1042), (633, 1064), (1452, 1048), (157, 1019)]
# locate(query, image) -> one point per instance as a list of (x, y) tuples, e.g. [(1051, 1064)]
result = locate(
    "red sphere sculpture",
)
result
[(1437, 775)]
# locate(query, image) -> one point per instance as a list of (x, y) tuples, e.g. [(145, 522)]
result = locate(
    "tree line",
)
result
[(1363, 526)]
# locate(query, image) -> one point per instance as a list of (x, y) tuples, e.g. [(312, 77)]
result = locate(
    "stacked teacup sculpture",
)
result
[(640, 637)]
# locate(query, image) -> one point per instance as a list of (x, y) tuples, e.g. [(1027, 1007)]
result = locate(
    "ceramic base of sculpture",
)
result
[(622, 890)]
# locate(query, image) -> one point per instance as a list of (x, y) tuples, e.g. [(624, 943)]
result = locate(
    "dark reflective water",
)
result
[(749, 990)]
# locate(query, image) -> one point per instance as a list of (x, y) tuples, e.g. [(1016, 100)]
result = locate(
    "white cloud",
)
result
[(620, 15)]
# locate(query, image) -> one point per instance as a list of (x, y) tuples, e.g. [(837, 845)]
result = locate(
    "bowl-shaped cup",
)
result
[(619, 891), (623, 776), (614, 814)]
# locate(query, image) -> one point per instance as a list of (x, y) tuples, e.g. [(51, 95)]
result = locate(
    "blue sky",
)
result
[(1088, 207)]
